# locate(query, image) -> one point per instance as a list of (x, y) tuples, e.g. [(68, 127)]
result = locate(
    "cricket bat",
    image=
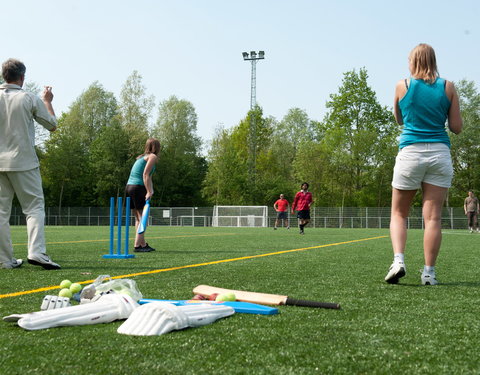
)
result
[(142, 227), (239, 307), (263, 298)]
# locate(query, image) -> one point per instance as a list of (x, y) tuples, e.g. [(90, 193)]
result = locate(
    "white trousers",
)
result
[(27, 185)]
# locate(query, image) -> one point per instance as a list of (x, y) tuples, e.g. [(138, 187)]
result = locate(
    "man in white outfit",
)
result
[(19, 166)]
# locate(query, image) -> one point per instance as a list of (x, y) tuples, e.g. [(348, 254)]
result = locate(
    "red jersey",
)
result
[(302, 201), (281, 205)]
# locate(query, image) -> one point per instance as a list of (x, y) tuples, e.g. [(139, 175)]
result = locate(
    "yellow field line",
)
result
[(155, 238), (194, 265)]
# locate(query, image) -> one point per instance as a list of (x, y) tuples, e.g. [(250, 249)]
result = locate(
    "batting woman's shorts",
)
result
[(282, 215), (303, 214), (423, 162), (137, 195)]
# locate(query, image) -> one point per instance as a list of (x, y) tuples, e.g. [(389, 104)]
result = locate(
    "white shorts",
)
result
[(423, 162)]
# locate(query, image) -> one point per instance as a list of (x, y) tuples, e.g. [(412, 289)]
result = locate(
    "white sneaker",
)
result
[(15, 264), (44, 261), (397, 270), (429, 279)]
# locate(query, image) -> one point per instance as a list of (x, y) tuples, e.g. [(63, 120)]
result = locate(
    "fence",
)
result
[(321, 217)]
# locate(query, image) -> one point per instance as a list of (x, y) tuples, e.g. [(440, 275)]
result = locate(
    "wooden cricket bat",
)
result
[(263, 298), (142, 226)]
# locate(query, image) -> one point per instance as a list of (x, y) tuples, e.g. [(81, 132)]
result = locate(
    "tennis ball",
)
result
[(230, 296), (65, 284), (75, 288), (65, 292)]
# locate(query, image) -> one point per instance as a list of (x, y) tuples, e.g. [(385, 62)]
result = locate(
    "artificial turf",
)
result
[(381, 328)]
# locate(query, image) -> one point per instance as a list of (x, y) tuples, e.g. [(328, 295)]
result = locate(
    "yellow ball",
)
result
[(65, 292), (65, 284), (75, 288), (230, 296)]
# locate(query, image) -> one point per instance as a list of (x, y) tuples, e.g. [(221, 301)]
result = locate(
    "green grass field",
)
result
[(381, 328)]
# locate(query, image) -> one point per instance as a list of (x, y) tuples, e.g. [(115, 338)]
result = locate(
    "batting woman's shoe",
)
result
[(429, 279), (140, 249), (149, 247), (396, 272), (43, 260)]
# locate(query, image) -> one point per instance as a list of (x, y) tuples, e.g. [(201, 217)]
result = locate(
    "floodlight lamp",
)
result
[(261, 54), (253, 54), (245, 55)]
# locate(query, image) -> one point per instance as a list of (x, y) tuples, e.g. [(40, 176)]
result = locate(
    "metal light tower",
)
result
[(253, 57)]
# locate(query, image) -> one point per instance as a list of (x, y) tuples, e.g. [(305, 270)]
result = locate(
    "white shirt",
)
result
[(18, 109)]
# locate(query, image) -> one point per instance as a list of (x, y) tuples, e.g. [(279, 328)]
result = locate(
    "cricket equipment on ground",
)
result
[(239, 307), (158, 318), (263, 298), (54, 302), (240, 216), (396, 271), (429, 279), (118, 254), (142, 226), (108, 308)]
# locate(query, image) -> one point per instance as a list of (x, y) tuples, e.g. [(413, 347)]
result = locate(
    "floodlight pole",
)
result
[(253, 57)]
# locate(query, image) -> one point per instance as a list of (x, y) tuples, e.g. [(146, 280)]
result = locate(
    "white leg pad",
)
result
[(158, 318), (108, 308)]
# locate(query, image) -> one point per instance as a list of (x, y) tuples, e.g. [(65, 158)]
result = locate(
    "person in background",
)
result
[(302, 202), (422, 104), (140, 188), (471, 207), (281, 207), (19, 166)]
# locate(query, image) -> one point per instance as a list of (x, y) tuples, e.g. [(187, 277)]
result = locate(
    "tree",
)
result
[(465, 147), (227, 175), (181, 168), (69, 176), (229, 178), (357, 147), (135, 110), (110, 162)]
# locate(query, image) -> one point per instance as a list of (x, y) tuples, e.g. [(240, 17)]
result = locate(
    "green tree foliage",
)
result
[(227, 176), (67, 163), (466, 146), (135, 111), (231, 178), (110, 162), (353, 162), (181, 168)]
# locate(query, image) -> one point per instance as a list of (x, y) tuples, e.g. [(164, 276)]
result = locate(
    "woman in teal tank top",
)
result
[(140, 188), (422, 104)]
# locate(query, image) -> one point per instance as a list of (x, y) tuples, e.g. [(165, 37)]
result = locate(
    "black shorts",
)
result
[(282, 215), (137, 196), (303, 214)]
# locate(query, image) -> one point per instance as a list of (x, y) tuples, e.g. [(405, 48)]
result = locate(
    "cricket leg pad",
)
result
[(158, 318), (108, 308)]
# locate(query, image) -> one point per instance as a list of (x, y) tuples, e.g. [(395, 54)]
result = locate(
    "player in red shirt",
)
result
[(281, 206), (301, 203)]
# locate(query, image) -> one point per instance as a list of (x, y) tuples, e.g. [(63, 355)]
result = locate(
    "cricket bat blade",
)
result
[(263, 298), (142, 226)]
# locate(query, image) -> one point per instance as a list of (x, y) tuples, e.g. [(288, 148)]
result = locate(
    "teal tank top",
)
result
[(136, 173), (424, 110)]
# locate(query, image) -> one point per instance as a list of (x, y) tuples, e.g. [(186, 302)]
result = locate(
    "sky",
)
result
[(193, 49)]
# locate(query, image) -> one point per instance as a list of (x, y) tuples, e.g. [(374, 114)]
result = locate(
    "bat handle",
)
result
[(305, 303)]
